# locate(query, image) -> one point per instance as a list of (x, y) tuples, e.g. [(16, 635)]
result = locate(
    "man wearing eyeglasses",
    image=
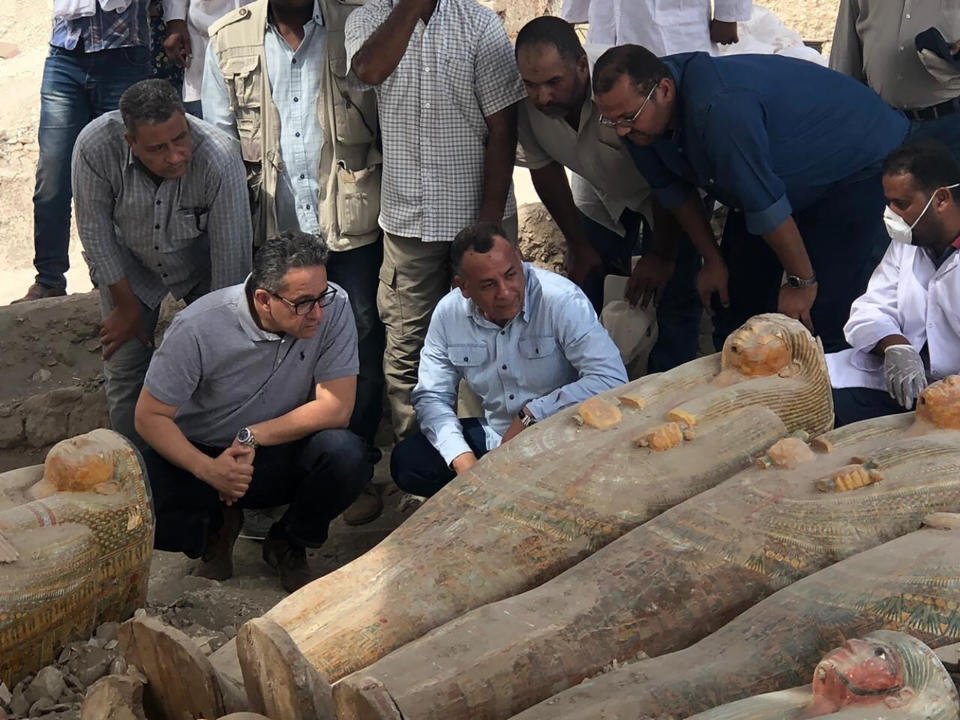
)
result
[(246, 405), (559, 126), (793, 149)]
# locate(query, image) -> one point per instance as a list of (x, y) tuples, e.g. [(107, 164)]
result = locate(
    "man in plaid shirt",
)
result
[(447, 86)]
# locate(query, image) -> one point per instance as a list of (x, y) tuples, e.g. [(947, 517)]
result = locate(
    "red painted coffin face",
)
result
[(862, 672)]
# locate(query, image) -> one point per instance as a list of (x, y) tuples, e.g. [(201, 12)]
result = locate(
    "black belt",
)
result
[(934, 111)]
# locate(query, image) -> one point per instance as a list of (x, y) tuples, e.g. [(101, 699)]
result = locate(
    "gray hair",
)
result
[(148, 102), (479, 238), (280, 254)]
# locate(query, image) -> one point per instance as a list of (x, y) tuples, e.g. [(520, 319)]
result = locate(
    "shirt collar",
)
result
[(245, 316)]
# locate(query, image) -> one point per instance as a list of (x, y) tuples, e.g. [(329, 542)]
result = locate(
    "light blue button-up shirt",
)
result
[(553, 354), (295, 79)]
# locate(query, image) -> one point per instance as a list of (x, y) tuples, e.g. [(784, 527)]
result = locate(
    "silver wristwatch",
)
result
[(526, 419), (245, 437), (795, 281)]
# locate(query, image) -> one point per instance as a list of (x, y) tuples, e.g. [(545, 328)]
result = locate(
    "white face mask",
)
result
[(897, 227)]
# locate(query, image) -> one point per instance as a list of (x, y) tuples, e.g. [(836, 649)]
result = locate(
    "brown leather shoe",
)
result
[(39, 292), (290, 562), (217, 560), (366, 508)]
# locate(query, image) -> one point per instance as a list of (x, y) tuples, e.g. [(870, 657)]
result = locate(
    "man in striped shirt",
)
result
[(162, 207)]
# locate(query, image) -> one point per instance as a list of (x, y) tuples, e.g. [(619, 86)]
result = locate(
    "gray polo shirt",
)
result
[(222, 372)]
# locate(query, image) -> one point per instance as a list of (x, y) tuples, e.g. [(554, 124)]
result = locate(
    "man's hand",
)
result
[(463, 462), (723, 33), (516, 427), (582, 260), (177, 43), (713, 278), (796, 303), (120, 325), (649, 277), (229, 473), (906, 376)]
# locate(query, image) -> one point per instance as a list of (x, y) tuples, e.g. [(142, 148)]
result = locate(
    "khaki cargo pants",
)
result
[(414, 276)]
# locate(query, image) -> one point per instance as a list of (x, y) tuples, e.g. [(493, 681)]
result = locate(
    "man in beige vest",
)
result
[(275, 76)]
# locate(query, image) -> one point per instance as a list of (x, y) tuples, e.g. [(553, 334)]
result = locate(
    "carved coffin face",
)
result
[(940, 403), (757, 349), (78, 464), (862, 672)]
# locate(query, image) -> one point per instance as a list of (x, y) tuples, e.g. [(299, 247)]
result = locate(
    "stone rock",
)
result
[(11, 430), (8, 50), (19, 705), (41, 376), (118, 666), (90, 664), (42, 707), (48, 683), (115, 697), (107, 632)]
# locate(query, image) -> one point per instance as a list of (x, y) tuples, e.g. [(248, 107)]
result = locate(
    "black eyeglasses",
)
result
[(305, 306)]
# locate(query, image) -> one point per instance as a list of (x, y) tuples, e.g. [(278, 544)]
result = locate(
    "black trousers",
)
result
[(845, 238), (854, 404), (318, 477)]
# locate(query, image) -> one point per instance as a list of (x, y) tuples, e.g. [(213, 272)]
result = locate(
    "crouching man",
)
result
[(245, 405), (526, 341)]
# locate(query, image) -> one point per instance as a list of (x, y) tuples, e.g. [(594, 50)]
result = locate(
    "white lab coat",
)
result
[(200, 15), (906, 296), (664, 27)]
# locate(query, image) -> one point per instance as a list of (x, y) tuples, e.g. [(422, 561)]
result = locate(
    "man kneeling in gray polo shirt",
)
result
[(246, 404)]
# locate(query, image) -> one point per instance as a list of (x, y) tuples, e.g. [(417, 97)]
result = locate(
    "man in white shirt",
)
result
[(664, 27), (188, 24), (905, 329)]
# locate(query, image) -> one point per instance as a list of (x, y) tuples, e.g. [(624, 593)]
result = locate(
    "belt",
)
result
[(934, 111)]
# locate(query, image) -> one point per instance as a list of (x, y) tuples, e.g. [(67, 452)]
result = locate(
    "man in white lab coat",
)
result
[(905, 329)]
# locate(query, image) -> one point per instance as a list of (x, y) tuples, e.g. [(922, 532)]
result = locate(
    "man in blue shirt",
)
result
[(793, 149), (95, 55), (525, 340)]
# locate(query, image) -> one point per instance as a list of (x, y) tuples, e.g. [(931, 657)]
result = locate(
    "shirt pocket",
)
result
[(467, 356), (185, 227), (537, 347), (243, 87), (358, 199)]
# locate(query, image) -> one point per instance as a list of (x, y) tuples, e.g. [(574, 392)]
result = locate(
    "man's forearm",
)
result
[(305, 420), (553, 188), (788, 245), (693, 220), (889, 340), (162, 434), (123, 296), (499, 156), (379, 56)]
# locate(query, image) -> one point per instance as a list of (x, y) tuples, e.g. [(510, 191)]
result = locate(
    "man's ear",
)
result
[(129, 138), (459, 284), (261, 297), (901, 699), (583, 65)]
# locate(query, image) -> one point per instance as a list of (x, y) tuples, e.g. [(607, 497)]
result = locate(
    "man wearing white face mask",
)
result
[(905, 329)]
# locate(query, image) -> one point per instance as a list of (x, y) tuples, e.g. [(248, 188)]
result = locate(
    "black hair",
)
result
[(478, 237), (148, 102), (930, 162), (279, 254), (549, 30), (636, 62)]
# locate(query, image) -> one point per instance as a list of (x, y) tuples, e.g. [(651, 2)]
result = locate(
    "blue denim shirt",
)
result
[(766, 134), (105, 30), (295, 79), (553, 354)]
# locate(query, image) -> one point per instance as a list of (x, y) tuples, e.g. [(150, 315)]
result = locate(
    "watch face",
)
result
[(244, 436)]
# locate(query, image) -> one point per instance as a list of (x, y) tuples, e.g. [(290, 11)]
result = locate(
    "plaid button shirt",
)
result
[(105, 30), (457, 70), (185, 236)]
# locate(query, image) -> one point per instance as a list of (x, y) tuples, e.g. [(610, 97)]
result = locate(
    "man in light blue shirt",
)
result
[(527, 341)]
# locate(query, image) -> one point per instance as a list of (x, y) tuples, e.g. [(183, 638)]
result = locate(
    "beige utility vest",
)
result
[(350, 164)]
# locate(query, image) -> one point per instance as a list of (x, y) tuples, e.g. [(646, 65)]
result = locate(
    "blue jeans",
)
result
[(417, 467), (854, 404), (845, 237), (358, 272), (679, 311), (76, 88)]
